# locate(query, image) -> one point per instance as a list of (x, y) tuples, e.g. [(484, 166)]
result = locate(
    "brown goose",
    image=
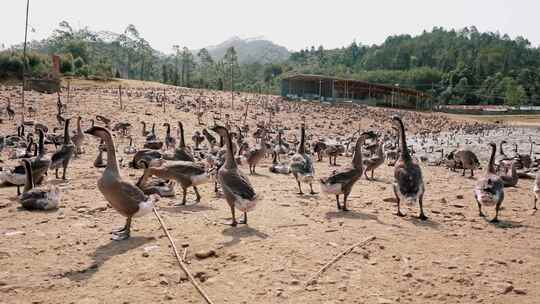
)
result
[(155, 186), (466, 160), (10, 111), (62, 157), (237, 188), (126, 198), (489, 189), (99, 163), (146, 155), (255, 155), (375, 161), (341, 181), (408, 184), (187, 174), (197, 138), (302, 164), (510, 180), (78, 138)]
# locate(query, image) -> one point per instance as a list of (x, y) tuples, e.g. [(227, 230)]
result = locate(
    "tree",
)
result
[(515, 94), (206, 63), (188, 64), (230, 60)]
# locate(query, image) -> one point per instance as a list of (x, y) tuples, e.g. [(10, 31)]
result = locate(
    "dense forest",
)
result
[(456, 67)]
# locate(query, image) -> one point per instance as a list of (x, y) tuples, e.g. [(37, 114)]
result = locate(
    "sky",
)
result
[(294, 24)]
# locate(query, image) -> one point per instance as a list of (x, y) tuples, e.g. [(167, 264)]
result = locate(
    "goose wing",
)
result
[(238, 184), (183, 154), (340, 177), (63, 153), (125, 197), (185, 168)]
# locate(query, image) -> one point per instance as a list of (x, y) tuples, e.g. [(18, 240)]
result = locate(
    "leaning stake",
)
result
[(182, 265)]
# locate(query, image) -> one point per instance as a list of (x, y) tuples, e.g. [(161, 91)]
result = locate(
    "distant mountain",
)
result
[(251, 50)]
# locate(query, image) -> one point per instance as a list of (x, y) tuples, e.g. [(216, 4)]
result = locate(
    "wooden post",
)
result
[(164, 101), (24, 60), (232, 86), (120, 96)]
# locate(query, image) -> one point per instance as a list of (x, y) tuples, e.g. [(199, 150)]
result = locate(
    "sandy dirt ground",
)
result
[(66, 256)]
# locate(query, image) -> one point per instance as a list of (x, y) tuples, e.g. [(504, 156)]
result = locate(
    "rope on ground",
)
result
[(313, 279), (180, 262)]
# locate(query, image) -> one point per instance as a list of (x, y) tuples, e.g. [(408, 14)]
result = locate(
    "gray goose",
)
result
[(408, 184), (489, 189), (341, 182), (62, 157), (126, 198), (302, 164), (238, 191), (34, 198)]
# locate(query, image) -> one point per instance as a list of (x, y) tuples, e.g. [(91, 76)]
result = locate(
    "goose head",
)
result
[(222, 131), (98, 132)]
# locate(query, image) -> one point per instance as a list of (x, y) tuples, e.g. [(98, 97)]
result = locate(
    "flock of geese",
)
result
[(219, 151)]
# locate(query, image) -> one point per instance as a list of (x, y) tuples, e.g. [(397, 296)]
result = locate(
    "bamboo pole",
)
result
[(337, 258), (179, 259)]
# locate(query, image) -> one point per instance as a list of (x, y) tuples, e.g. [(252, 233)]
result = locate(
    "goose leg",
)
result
[(233, 223), (365, 175), (19, 192), (125, 233), (244, 221), (344, 208), (56, 173), (535, 199), (472, 173), (372, 172), (480, 213), (398, 204), (119, 230), (496, 218), (337, 202), (184, 194), (422, 216), (197, 193), (463, 174), (312, 192), (64, 171), (299, 188)]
